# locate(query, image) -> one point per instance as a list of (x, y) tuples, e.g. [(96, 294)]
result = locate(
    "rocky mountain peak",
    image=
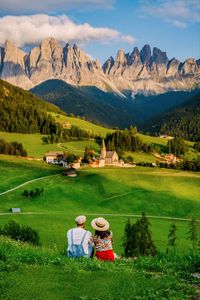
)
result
[(134, 56), (121, 57), (189, 66), (11, 51), (139, 71), (159, 57), (108, 65), (145, 54)]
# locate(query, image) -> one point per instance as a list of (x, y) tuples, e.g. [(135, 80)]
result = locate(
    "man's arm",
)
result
[(90, 240)]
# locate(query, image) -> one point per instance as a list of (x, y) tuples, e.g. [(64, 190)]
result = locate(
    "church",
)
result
[(106, 158), (110, 157)]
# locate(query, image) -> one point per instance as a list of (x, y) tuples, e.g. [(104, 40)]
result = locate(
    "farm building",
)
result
[(54, 157), (170, 158), (71, 172), (97, 162), (15, 210)]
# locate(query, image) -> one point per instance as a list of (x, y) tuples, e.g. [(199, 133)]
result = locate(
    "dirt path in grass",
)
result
[(151, 217), (27, 182), (97, 214)]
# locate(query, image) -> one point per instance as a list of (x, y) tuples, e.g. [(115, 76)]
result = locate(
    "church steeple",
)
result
[(103, 149)]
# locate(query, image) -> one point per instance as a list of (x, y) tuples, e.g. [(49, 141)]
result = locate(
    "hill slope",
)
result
[(90, 102), (107, 108), (20, 111), (184, 120), (56, 276)]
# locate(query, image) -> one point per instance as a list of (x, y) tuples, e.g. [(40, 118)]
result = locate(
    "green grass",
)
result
[(78, 147), (38, 273), (35, 147), (141, 157), (93, 128), (15, 171), (95, 192)]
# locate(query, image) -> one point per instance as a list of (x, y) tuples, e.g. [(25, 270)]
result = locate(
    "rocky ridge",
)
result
[(145, 71)]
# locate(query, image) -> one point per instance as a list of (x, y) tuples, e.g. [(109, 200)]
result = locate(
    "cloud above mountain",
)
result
[(179, 13), (47, 6), (30, 30)]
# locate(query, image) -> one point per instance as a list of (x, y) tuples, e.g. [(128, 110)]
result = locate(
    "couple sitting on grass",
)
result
[(81, 243)]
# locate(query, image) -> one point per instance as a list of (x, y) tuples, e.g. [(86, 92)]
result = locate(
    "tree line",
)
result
[(12, 148), (60, 134), (128, 140)]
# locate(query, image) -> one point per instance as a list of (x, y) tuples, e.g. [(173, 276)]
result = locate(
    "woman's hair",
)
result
[(102, 234)]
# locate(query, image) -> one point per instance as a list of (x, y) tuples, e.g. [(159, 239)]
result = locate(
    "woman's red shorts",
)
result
[(105, 255)]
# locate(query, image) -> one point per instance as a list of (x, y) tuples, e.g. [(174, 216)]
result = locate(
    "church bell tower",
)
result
[(103, 149)]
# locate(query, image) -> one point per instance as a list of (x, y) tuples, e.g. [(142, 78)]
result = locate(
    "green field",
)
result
[(93, 128), (95, 192), (28, 272), (35, 147)]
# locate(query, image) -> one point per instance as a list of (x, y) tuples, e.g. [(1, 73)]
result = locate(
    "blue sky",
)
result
[(101, 27)]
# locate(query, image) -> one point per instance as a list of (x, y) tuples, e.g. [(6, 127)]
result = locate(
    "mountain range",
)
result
[(146, 71)]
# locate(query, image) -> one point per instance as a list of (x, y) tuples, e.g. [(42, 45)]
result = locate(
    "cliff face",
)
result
[(151, 71), (140, 71)]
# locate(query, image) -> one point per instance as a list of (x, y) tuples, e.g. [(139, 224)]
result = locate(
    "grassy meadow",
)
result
[(36, 273), (113, 192), (35, 146), (93, 128)]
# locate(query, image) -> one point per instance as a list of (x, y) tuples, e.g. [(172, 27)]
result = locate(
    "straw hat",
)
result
[(80, 220), (100, 224)]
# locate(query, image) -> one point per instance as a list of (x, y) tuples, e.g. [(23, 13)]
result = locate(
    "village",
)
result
[(106, 158)]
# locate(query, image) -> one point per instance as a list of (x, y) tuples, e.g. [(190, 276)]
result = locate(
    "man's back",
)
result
[(78, 235)]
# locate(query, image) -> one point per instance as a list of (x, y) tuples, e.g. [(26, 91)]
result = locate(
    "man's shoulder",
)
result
[(70, 230)]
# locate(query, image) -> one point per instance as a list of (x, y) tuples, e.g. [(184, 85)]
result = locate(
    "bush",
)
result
[(21, 233), (33, 193)]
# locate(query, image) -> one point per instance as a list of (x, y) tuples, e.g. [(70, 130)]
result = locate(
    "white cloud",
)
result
[(47, 6), (30, 30), (179, 13)]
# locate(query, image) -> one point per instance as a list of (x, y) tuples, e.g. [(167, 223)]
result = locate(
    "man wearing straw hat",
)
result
[(80, 241)]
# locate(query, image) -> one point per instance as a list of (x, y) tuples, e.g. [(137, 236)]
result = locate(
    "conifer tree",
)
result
[(192, 233), (146, 245), (137, 238), (172, 237)]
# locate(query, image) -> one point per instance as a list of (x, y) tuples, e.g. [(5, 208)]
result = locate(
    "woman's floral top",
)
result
[(103, 244)]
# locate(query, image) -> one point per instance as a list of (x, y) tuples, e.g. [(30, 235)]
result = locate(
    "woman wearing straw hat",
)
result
[(103, 239)]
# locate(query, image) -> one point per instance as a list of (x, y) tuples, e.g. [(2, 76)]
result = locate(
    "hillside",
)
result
[(21, 111), (97, 106), (57, 277), (81, 123), (183, 120), (107, 108), (113, 192)]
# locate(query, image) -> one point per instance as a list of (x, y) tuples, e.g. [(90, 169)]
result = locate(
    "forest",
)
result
[(23, 112)]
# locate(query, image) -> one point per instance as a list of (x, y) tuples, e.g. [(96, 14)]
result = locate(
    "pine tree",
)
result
[(146, 245), (131, 240), (137, 238), (172, 237), (192, 233)]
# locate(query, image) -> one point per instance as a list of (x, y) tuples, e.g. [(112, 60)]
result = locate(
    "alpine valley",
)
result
[(130, 89)]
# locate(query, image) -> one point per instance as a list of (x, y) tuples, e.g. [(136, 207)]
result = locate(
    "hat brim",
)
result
[(96, 227)]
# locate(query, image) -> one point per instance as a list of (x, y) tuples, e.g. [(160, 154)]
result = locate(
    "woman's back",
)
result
[(103, 241)]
